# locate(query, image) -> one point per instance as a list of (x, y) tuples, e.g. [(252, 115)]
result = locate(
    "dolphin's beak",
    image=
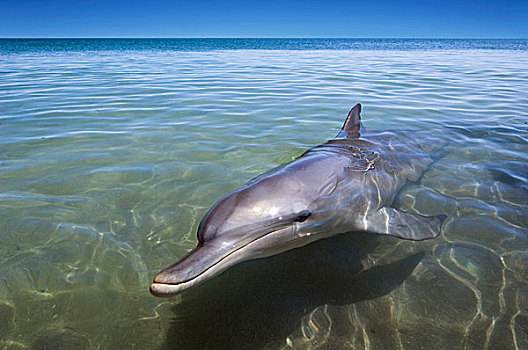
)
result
[(199, 264), (213, 257)]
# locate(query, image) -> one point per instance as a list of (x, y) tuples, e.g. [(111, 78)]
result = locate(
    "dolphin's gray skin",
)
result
[(346, 184)]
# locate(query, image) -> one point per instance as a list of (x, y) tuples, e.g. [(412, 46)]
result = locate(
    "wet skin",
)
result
[(346, 184)]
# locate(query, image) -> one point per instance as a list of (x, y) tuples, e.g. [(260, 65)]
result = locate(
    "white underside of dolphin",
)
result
[(347, 184)]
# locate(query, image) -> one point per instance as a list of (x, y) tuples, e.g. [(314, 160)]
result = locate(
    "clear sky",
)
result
[(265, 18)]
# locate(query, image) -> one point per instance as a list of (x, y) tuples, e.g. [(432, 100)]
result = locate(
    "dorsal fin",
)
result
[(352, 126)]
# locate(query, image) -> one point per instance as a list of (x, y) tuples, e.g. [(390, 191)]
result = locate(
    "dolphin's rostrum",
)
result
[(346, 184)]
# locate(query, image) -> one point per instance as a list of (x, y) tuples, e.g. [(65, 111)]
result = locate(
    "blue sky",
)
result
[(271, 18)]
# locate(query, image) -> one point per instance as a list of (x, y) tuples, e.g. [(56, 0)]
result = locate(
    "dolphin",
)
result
[(346, 184)]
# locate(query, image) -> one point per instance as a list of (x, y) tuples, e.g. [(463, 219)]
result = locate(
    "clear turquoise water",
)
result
[(112, 150)]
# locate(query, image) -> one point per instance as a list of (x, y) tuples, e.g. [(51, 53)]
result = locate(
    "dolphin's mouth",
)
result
[(168, 290), (184, 274), (192, 269), (212, 258)]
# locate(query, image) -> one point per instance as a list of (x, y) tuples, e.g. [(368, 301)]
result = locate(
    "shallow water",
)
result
[(110, 156)]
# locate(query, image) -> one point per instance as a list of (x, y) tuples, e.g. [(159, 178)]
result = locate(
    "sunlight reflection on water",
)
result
[(109, 161)]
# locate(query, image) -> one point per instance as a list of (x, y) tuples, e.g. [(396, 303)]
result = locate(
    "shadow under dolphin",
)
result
[(259, 303)]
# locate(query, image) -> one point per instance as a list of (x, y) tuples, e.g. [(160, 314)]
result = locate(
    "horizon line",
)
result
[(265, 37)]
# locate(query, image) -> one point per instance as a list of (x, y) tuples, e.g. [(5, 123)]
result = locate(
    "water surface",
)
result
[(111, 151)]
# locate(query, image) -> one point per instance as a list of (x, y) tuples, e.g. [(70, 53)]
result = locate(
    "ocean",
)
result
[(112, 150)]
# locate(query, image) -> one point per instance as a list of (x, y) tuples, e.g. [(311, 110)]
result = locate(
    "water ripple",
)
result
[(109, 159)]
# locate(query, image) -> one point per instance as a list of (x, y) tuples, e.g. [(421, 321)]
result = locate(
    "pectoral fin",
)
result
[(394, 222)]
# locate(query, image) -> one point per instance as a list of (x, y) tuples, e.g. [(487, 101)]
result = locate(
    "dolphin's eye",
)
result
[(303, 215)]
